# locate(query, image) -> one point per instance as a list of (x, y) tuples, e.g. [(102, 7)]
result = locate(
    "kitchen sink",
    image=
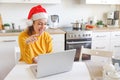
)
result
[(11, 31)]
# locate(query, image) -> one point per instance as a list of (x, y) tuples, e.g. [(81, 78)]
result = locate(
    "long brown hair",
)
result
[(30, 30)]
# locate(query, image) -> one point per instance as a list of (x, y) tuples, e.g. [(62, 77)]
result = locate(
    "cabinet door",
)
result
[(115, 47), (32, 1), (101, 41), (7, 56), (101, 45), (102, 1), (58, 42), (115, 43), (9, 1), (113, 1), (101, 36), (93, 1), (44, 1), (115, 35)]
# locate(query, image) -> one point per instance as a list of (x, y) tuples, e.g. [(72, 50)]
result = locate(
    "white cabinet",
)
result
[(101, 41), (109, 41), (58, 42), (102, 1), (32, 1), (7, 56), (115, 43)]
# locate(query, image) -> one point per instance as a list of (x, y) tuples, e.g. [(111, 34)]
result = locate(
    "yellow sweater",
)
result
[(28, 51)]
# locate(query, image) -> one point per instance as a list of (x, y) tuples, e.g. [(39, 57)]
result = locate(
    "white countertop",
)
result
[(22, 72)]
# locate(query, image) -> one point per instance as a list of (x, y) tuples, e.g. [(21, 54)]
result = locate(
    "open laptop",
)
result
[(53, 63)]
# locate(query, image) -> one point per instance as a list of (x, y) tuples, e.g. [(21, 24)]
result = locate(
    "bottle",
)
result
[(13, 26), (1, 24)]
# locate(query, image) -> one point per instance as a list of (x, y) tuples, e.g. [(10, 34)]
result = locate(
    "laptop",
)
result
[(53, 63)]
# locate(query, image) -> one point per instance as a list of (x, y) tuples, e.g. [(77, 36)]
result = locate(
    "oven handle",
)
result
[(78, 42)]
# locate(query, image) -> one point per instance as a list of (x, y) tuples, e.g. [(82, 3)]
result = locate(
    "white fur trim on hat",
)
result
[(29, 22), (41, 15)]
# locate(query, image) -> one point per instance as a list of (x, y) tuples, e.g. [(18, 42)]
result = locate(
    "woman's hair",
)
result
[(30, 30)]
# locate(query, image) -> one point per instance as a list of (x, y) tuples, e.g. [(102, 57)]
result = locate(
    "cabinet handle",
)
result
[(100, 47), (101, 36), (117, 35), (117, 46), (8, 41)]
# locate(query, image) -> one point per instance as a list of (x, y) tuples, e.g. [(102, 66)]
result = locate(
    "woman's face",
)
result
[(39, 25)]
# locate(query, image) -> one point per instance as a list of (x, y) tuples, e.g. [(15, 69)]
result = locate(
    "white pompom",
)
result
[(29, 22)]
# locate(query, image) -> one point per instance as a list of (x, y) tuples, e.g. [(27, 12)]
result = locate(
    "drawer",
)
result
[(101, 36), (115, 47), (115, 35), (8, 38), (99, 45)]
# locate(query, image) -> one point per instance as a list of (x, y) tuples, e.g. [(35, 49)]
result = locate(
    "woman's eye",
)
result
[(42, 24), (39, 23)]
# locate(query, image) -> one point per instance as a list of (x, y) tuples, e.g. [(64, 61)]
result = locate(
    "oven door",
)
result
[(77, 45)]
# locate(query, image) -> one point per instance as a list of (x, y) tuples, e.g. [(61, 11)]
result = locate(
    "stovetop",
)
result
[(68, 29), (72, 33)]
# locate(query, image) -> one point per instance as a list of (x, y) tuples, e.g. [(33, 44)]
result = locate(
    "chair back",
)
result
[(101, 53), (98, 60), (17, 54)]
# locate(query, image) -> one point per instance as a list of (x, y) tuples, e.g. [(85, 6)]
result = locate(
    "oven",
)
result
[(74, 39), (76, 44)]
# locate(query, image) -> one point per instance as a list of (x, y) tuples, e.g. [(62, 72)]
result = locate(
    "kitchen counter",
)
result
[(55, 31), (51, 31), (106, 29), (9, 34), (59, 31)]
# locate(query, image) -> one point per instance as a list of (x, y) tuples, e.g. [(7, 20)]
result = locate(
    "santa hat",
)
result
[(37, 12)]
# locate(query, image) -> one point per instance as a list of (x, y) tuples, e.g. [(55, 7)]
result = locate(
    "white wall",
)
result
[(68, 10)]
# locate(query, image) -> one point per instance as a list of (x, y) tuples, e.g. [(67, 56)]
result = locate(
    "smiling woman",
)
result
[(34, 40)]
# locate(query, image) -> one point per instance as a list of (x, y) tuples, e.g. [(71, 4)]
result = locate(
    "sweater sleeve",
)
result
[(25, 49)]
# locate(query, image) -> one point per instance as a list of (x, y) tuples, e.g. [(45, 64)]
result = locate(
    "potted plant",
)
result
[(100, 23), (6, 26)]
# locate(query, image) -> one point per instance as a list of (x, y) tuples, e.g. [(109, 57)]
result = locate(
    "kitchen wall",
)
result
[(68, 11)]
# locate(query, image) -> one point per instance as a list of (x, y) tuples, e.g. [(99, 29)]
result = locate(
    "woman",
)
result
[(34, 40)]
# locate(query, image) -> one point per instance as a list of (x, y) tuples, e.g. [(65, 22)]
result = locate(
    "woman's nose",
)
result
[(42, 27)]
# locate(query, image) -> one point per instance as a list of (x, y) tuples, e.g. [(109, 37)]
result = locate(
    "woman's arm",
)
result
[(27, 54)]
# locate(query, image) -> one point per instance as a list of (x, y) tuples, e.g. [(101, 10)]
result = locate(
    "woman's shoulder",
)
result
[(23, 33), (46, 33)]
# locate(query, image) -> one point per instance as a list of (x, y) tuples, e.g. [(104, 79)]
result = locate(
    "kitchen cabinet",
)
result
[(109, 41), (7, 56), (115, 43), (58, 42), (101, 41), (32, 1), (102, 1)]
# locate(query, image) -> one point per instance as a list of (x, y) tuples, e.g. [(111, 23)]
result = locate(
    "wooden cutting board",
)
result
[(1, 24)]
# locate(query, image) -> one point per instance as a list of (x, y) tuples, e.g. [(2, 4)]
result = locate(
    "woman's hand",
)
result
[(35, 59), (32, 38)]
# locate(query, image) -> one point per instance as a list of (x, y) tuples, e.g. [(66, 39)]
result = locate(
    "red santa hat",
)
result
[(37, 12)]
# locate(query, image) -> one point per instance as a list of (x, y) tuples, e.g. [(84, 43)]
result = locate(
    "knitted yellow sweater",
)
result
[(28, 51)]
